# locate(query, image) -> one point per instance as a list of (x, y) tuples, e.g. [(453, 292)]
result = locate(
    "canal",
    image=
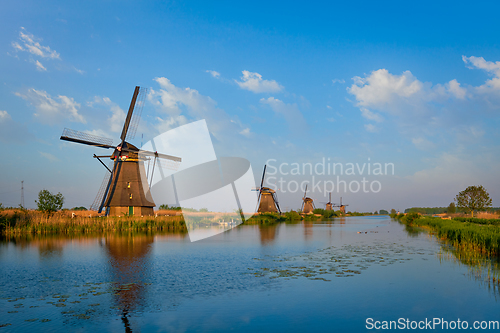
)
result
[(306, 276)]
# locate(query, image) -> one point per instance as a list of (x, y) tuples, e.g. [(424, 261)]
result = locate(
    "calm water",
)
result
[(289, 277)]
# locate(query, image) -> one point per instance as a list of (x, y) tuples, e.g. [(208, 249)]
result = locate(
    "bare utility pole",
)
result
[(22, 193)]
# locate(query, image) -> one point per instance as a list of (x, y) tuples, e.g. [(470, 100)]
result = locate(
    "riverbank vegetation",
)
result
[(480, 235), (24, 221), (30, 221)]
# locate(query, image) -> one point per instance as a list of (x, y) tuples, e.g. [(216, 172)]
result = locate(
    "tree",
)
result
[(451, 208), (393, 211), (473, 198), (48, 202), (384, 212)]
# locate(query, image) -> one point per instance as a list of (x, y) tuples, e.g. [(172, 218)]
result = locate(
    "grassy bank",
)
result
[(470, 235), (35, 222), (293, 216), (263, 218)]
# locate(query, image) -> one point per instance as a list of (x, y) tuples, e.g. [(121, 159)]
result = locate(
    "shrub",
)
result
[(48, 202)]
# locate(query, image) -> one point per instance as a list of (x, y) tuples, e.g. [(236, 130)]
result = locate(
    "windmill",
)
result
[(122, 190), (267, 201), (329, 205), (307, 204), (341, 206)]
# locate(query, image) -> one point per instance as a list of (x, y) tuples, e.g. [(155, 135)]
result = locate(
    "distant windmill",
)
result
[(307, 204), (329, 205), (341, 206), (122, 190), (267, 201)]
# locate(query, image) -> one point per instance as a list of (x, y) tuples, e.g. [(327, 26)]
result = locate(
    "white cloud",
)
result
[(338, 81), (422, 143), (290, 112), (371, 115), (254, 82), (117, 118), (246, 132), (49, 156), (184, 105), (169, 123), (381, 88), (29, 43), (48, 110), (213, 73), (4, 116), (79, 71), (492, 68), (39, 66), (456, 90), (425, 112), (371, 128), (481, 63)]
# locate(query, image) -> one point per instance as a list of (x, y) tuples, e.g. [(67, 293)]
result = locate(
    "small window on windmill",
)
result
[(130, 196), (128, 184)]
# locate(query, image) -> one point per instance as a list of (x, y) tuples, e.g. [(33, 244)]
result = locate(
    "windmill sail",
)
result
[(99, 197), (129, 114), (86, 138), (136, 117)]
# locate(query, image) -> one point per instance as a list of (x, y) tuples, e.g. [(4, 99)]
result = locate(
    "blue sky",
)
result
[(413, 84)]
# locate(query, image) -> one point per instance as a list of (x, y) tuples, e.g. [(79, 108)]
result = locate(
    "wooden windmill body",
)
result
[(123, 190), (329, 205), (307, 204), (267, 200), (341, 206)]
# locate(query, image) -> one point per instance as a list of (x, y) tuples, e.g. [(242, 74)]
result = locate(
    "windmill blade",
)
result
[(275, 197), (163, 161), (154, 154), (129, 114), (263, 175), (302, 207), (167, 164), (86, 138), (305, 192), (136, 117), (258, 201), (98, 199), (330, 196), (109, 188)]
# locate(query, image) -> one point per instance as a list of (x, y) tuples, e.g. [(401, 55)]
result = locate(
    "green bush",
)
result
[(48, 202)]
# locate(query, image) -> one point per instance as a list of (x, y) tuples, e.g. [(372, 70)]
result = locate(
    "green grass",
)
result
[(478, 221)]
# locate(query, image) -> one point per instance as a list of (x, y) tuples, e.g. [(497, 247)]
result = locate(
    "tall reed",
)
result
[(484, 238), (27, 221)]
